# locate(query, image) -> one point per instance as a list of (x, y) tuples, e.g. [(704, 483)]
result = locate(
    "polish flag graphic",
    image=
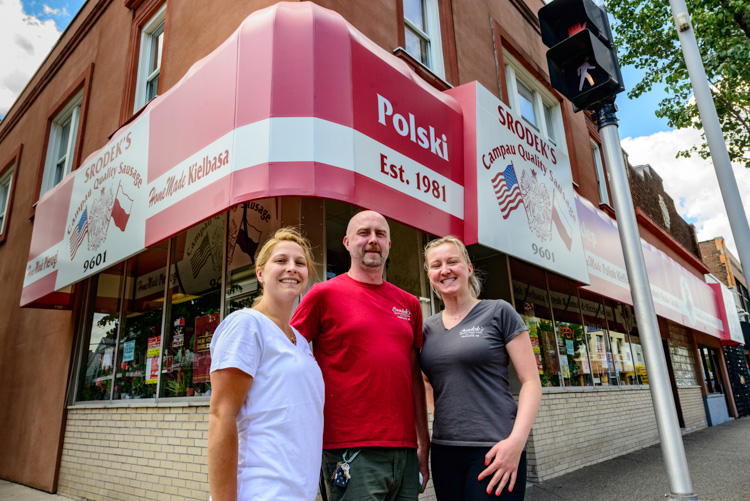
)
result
[(561, 222), (121, 209)]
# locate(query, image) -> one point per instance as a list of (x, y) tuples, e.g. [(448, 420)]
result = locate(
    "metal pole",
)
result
[(661, 391), (714, 135)]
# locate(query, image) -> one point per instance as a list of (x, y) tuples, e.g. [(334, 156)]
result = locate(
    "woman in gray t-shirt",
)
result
[(479, 433)]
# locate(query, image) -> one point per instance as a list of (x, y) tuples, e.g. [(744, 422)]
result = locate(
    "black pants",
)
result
[(455, 471)]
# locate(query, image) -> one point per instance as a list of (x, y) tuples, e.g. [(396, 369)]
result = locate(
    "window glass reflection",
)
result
[(250, 224), (140, 336), (95, 376), (603, 366), (195, 294), (626, 344), (571, 340), (532, 303)]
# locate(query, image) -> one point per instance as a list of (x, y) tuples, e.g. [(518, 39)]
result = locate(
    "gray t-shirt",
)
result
[(467, 367)]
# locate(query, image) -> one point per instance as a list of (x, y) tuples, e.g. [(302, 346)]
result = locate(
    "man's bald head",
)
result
[(368, 240), (367, 218)]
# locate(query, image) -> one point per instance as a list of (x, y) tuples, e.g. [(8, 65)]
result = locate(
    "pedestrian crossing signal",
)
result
[(582, 59)]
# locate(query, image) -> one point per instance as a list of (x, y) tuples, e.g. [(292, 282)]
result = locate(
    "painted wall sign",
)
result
[(323, 113), (519, 191)]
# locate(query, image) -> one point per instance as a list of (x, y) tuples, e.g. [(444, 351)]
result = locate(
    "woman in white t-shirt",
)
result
[(265, 431)]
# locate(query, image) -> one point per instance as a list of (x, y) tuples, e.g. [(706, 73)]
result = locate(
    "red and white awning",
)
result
[(296, 102)]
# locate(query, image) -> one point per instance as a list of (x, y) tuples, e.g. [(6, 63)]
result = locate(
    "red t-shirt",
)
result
[(363, 336)]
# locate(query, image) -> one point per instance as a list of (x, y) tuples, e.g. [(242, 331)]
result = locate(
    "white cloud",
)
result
[(691, 182), (49, 10), (25, 41)]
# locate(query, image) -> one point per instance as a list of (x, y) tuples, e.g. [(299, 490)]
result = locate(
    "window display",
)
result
[(604, 367), (532, 303), (626, 344), (571, 342), (137, 359), (195, 308)]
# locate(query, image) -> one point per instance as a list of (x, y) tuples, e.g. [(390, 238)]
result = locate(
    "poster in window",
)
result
[(205, 326), (128, 351), (178, 335), (586, 367), (550, 353), (107, 358), (152, 359), (564, 366)]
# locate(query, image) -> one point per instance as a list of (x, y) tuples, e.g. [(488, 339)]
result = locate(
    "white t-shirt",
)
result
[(280, 425)]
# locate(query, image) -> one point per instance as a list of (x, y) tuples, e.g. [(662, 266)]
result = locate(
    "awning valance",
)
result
[(678, 294)]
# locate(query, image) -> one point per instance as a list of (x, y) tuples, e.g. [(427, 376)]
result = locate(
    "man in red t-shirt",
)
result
[(366, 334)]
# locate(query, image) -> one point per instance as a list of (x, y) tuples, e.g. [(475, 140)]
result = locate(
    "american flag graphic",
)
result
[(200, 256), (508, 193), (81, 229)]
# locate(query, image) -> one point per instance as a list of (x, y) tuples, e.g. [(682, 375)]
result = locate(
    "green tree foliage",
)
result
[(647, 39)]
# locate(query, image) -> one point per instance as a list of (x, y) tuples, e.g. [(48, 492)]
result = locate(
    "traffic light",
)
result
[(582, 58)]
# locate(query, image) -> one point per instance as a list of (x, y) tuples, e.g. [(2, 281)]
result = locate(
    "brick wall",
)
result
[(712, 258), (693, 412), (683, 364), (576, 428), (646, 191), (135, 453)]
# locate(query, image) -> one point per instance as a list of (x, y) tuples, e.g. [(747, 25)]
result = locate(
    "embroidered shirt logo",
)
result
[(471, 332), (402, 313)]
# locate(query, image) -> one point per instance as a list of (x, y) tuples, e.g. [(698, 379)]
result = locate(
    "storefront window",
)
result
[(604, 367), (96, 368), (571, 341), (532, 303), (250, 224), (405, 268), (137, 366), (626, 344), (337, 219), (622, 356), (195, 309)]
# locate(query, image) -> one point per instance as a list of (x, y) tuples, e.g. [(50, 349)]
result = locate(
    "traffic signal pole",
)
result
[(714, 135), (583, 66), (673, 450)]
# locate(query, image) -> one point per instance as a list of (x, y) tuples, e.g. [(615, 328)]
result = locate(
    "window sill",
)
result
[(593, 389), (608, 210), (162, 403), (421, 70)]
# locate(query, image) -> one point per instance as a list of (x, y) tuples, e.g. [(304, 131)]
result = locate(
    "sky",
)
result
[(30, 28)]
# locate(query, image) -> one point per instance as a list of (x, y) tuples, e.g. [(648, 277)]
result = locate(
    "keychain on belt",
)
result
[(341, 474)]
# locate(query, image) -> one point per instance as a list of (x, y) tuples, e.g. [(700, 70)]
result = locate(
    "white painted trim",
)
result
[(71, 112), (6, 182), (143, 78), (514, 70)]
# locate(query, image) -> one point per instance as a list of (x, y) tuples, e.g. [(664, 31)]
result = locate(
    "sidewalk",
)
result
[(718, 459), (15, 492)]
